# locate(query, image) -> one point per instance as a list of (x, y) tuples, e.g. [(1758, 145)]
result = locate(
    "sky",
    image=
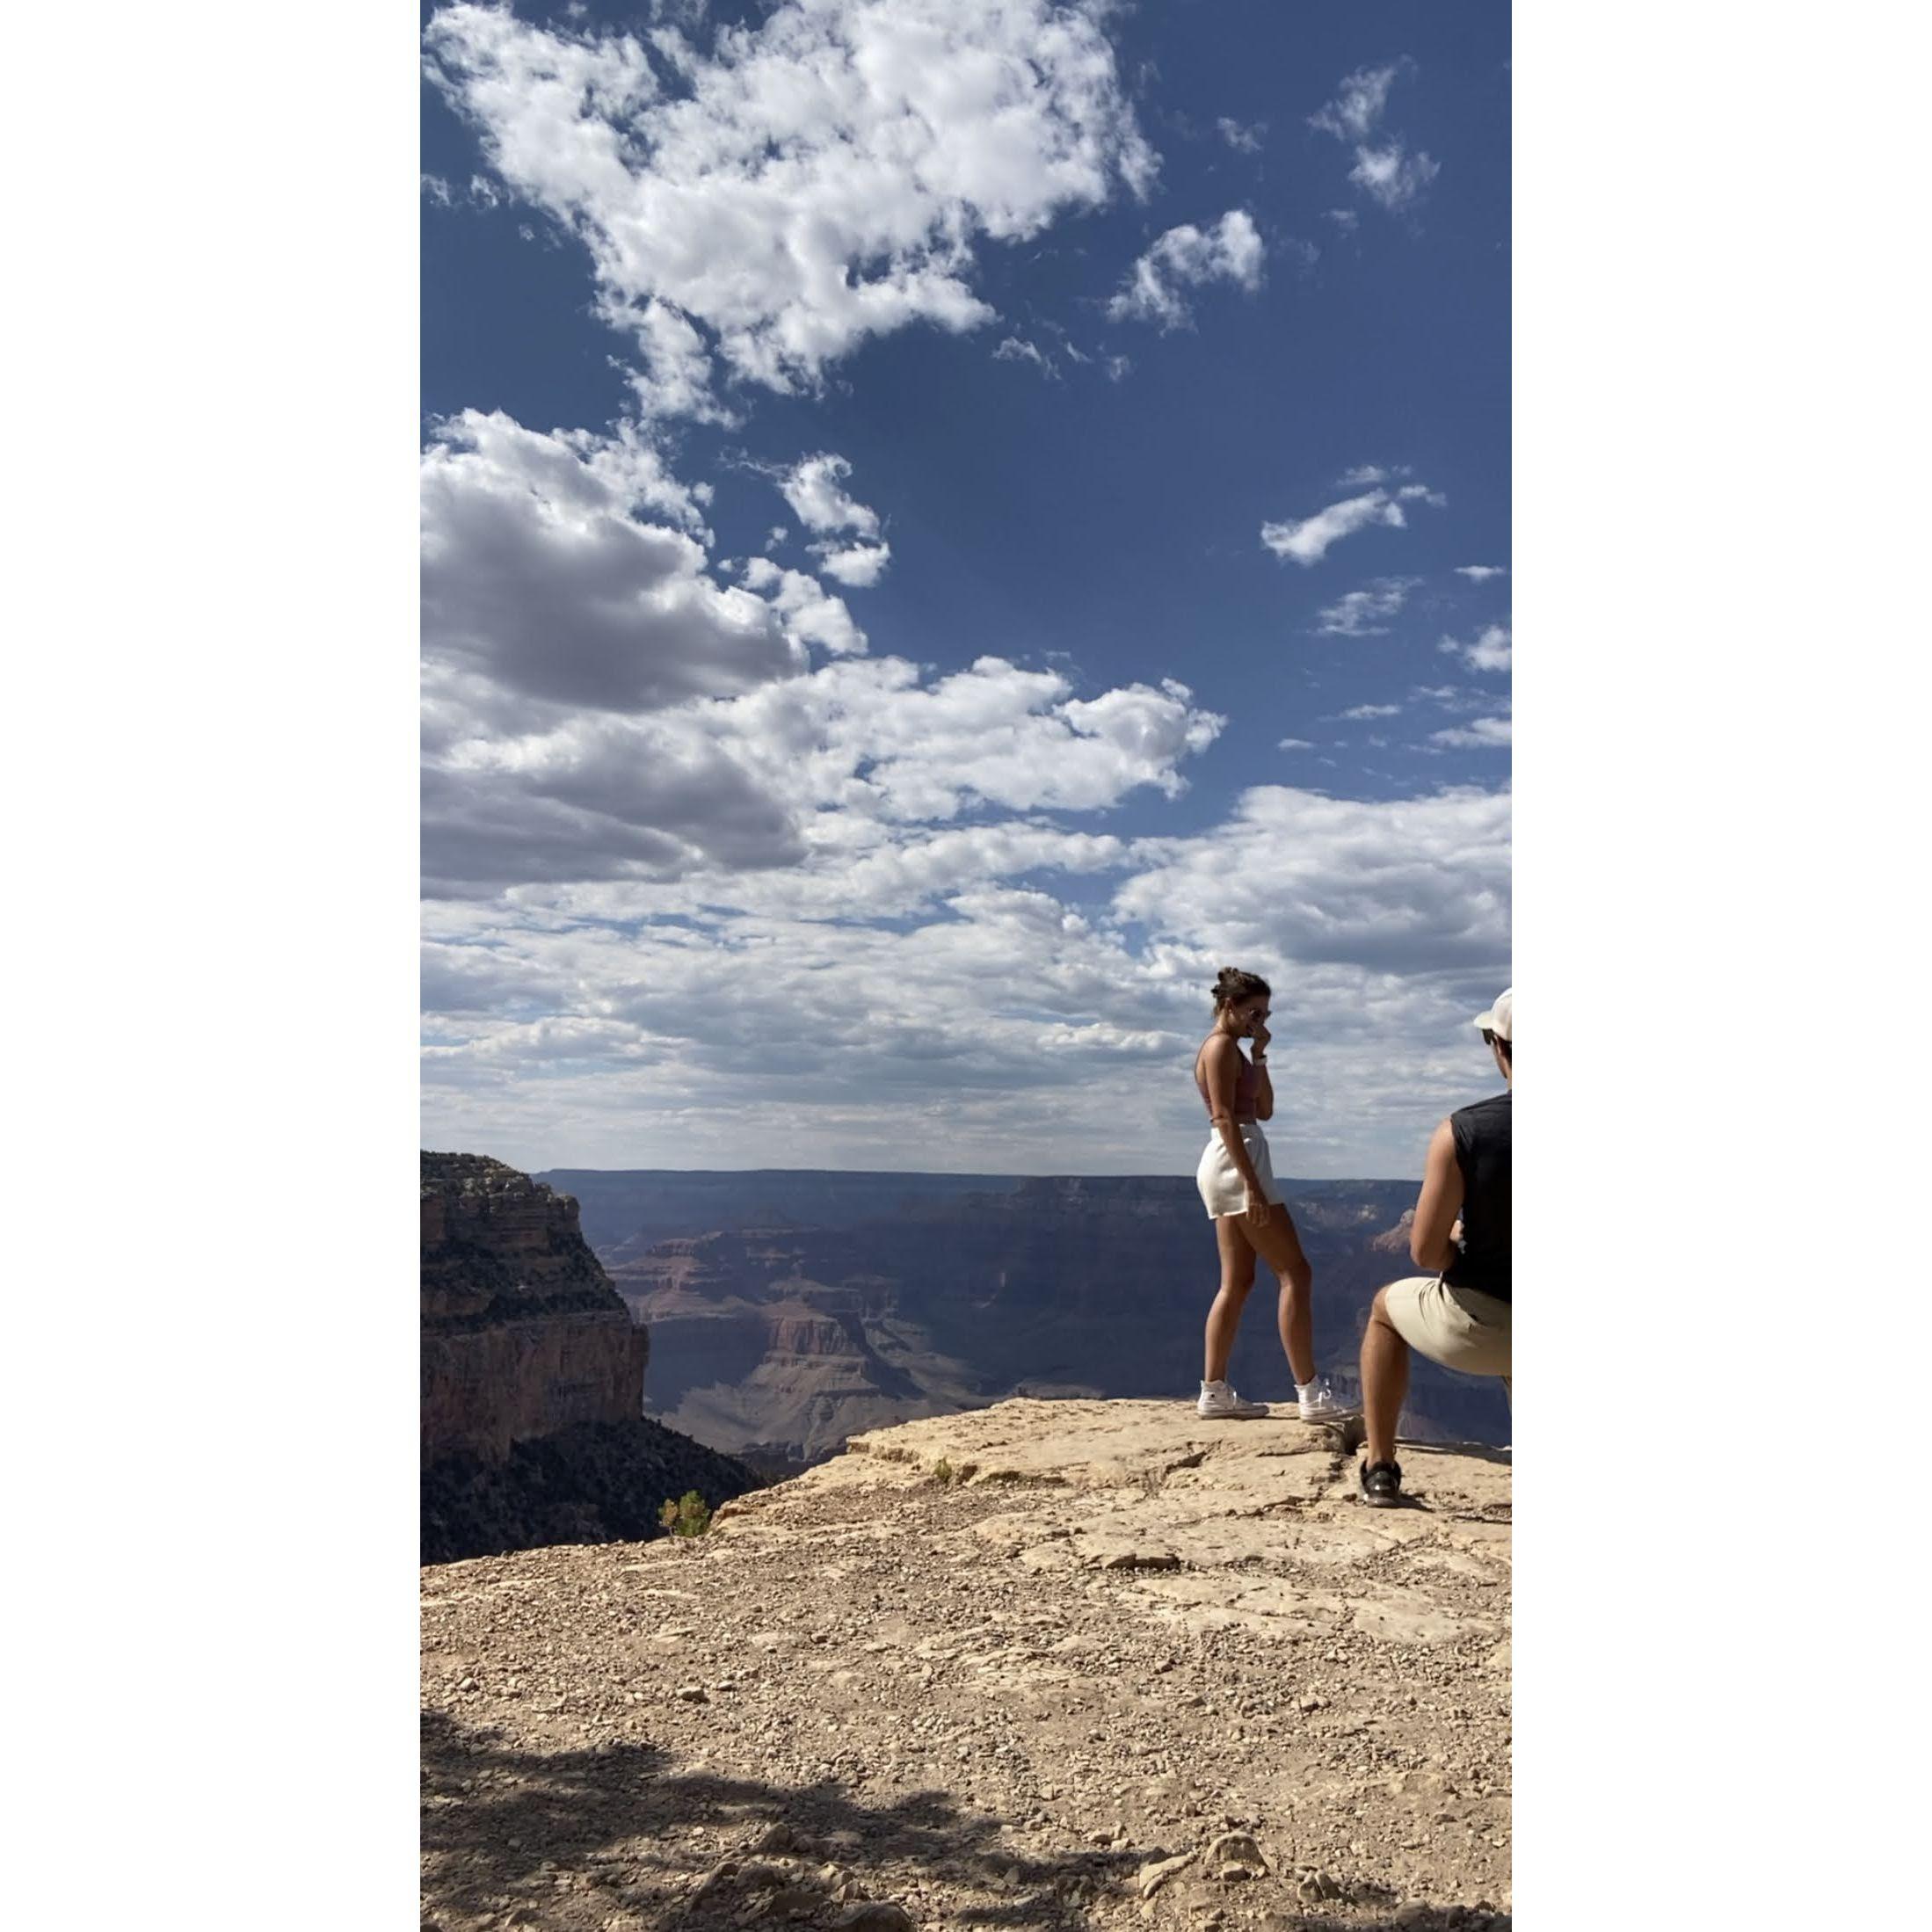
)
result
[(943, 525)]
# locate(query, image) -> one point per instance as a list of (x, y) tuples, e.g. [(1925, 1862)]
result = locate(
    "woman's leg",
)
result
[(1280, 1247), (1237, 1278)]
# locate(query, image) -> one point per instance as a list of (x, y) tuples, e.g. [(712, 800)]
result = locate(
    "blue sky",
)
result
[(942, 527)]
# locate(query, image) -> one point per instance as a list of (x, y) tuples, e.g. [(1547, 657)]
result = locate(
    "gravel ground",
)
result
[(1050, 1664)]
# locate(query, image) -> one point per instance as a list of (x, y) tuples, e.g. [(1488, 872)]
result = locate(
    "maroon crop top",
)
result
[(1246, 1084)]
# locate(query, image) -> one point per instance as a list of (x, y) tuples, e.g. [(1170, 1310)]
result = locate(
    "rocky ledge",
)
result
[(1049, 1664)]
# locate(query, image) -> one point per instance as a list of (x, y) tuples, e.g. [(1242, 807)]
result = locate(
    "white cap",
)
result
[(1496, 1020)]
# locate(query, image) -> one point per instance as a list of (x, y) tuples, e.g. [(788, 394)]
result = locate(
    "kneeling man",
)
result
[(1457, 1315)]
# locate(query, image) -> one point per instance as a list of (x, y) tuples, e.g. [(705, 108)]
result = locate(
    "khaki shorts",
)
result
[(1459, 1327)]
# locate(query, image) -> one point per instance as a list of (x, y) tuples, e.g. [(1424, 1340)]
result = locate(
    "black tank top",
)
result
[(1482, 1151)]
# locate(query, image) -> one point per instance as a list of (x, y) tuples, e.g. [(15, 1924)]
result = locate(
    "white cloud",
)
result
[(1345, 219), (1117, 368), (571, 569), (922, 989), (1385, 169), (811, 615), (1358, 106), (1364, 474), (1407, 886), (1307, 541), (1295, 745), (1360, 613), (1017, 349), (812, 180), (1490, 652), (1187, 257), (1478, 733), (859, 564), (1480, 573), (1245, 141), (1391, 175), (1360, 711), (815, 488)]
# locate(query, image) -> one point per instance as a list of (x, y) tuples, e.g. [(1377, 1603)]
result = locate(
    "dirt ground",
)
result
[(1052, 1663)]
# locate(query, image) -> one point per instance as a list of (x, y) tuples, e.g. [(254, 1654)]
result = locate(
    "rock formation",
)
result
[(533, 1375), (1057, 1665)]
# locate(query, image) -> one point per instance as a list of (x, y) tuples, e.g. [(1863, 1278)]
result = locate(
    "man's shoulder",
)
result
[(1493, 1110)]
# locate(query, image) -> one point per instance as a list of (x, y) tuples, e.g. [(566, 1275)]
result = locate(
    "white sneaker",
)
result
[(1218, 1399), (1322, 1404)]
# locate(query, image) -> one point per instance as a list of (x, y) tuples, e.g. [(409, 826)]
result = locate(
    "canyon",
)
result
[(791, 1310)]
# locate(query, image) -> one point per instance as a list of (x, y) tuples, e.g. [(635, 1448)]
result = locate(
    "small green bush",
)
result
[(689, 1516)]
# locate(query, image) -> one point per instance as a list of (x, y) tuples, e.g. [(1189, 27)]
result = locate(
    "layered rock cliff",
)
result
[(533, 1376), (522, 1333), (1058, 1665)]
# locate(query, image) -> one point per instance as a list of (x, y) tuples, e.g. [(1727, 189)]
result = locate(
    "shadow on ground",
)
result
[(581, 1839)]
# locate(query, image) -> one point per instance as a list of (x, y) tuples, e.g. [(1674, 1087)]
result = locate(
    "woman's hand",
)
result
[(1257, 1208), (1261, 1037)]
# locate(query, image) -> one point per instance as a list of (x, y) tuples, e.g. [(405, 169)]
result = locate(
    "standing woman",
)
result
[(1236, 1183)]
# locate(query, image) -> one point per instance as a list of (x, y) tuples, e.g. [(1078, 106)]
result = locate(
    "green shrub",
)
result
[(689, 1516)]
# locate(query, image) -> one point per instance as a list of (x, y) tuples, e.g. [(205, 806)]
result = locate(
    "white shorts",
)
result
[(1219, 1180)]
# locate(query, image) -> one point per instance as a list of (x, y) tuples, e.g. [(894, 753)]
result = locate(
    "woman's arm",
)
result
[(1264, 1087), (1221, 1071), (1431, 1244)]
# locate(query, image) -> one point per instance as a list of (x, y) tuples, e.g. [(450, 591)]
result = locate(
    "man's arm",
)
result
[(1438, 1205)]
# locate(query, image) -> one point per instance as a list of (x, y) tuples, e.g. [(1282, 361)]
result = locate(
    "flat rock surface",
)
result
[(1055, 1664)]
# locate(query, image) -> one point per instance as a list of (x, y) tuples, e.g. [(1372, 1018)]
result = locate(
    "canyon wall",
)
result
[(533, 1378)]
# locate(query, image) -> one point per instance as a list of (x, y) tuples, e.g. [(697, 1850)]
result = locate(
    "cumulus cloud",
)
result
[(1360, 711), (1479, 734), (1360, 614), (1187, 257), (1412, 886), (1308, 539), (859, 564), (570, 568), (1383, 925), (1246, 140), (810, 181), (1490, 650), (810, 614), (1385, 169), (1480, 573), (815, 488), (871, 736)]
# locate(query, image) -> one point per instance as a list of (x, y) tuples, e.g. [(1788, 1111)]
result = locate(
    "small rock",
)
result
[(692, 1694), (1311, 1704), (874, 1915), (1153, 1877), (1237, 1848)]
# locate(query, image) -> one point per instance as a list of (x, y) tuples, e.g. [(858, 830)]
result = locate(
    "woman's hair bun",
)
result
[(1232, 984)]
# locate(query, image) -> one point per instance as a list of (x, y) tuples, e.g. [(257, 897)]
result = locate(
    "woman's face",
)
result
[(1245, 1015)]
